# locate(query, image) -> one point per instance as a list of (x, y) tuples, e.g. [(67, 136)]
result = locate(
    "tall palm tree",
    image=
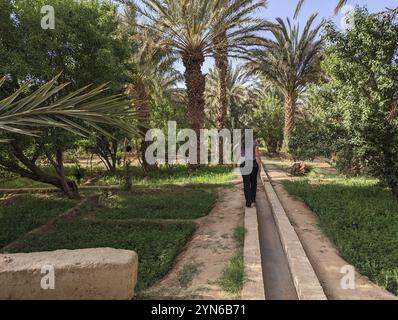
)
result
[(238, 32), (152, 68), (190, 28), (291, 61), (340, 5), (237, 85), (187, 27)]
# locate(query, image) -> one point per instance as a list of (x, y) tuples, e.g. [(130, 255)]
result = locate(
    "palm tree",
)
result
[(187, 27), (190, 28), (238, 32), (291, 61), (152, 69), (79, 111), (340, 5), (237, 95)]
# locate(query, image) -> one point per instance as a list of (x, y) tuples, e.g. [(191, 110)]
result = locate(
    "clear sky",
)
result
[(325, 8)]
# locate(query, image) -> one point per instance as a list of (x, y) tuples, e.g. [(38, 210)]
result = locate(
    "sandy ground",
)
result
[(197, 269), (322, 253)]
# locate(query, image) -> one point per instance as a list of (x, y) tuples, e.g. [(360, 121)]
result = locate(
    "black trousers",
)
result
[(250, 183)]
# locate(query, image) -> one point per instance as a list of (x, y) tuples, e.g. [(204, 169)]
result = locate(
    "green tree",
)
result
[(237, 95), (268, 117), (238, 32), (152, 73), (362, 64), (191, 28), (290, 61), (86, 45)]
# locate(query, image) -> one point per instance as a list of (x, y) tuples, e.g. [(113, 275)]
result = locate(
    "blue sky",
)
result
[(325, 8)]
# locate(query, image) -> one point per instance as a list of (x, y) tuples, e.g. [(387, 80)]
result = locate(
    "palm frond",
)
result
[(79, 111)]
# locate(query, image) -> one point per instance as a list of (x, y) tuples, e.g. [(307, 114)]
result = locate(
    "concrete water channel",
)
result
[(278, 283)]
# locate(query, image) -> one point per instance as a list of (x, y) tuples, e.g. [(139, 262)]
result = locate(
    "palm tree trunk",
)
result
[(143, 108), (290, 112), (221, 61), (195, 83)]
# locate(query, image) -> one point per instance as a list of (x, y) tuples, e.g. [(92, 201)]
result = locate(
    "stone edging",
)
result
[(253, 288), (305, 280)]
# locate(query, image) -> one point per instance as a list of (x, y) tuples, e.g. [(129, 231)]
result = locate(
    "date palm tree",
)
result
[(291, 61), (340, 5), (191, 28), (239, 31), (237, 85), (152, 68)]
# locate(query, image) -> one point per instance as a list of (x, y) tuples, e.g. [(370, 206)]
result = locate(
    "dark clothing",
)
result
[(250, 183)]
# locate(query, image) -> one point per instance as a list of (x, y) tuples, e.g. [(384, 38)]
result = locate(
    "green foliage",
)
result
[(85, 45), (268, 121), (359, 104), (238, 90), (188, 204), (290, 61), (49, 106), (186, 274), (361, 218), (27, 213)]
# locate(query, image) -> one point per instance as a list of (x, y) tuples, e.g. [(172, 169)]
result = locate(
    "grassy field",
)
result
[(157, 244), (361, 218), (175, 175), (188, 204), (117, 219), (27, 213)]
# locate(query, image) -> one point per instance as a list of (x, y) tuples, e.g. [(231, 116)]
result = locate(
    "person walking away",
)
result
[(250, 168)]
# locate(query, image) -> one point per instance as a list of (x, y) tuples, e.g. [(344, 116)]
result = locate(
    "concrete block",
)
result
[(94, 274)]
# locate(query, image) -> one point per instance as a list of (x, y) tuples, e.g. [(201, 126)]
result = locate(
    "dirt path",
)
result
[(197, 269), (322, 253)]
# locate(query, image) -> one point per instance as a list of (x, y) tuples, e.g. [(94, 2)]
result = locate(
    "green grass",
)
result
[(165, 175), (188, 204), (27, 213), (233, 275), (10, 180), (174, 175), (361, 218), (157, 245), (239, 235), (232, 278)]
